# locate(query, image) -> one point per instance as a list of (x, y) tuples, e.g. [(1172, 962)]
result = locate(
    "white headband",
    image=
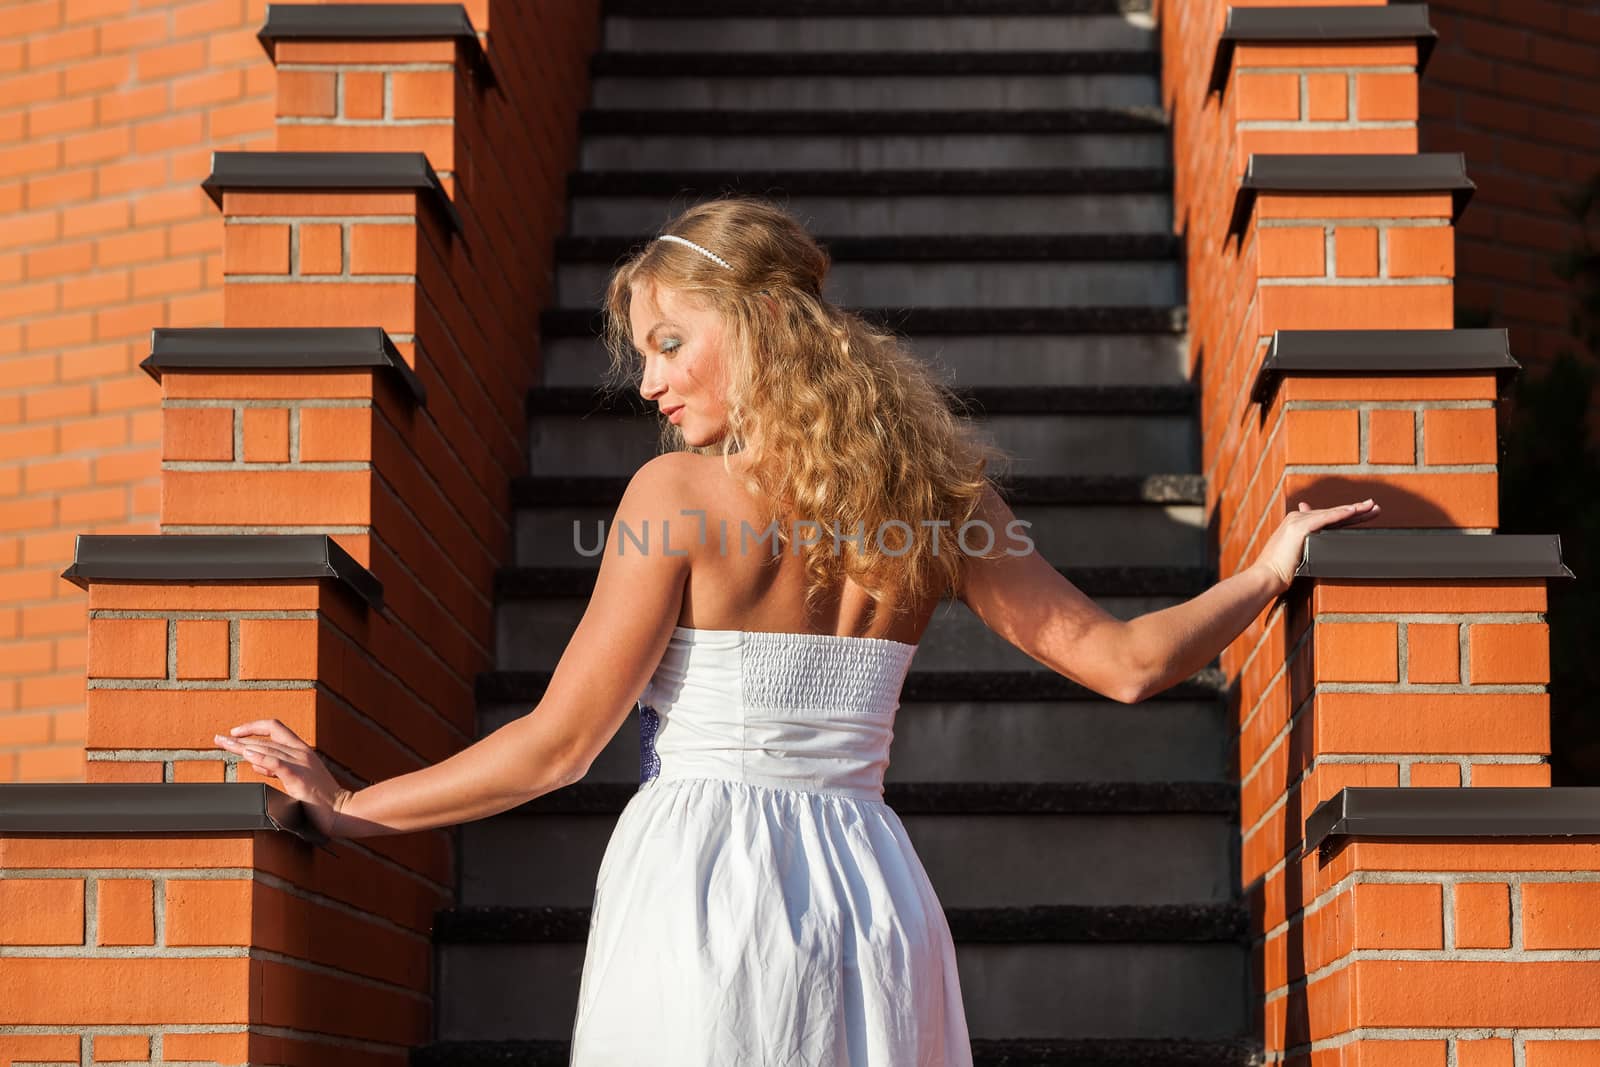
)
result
[(697, 248)]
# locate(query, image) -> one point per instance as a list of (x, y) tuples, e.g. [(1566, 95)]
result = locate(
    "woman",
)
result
[(758, 902)]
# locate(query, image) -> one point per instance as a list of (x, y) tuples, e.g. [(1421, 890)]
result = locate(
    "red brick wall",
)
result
[(1515, 84), (331, 950), (109, 113), (1378, 682)]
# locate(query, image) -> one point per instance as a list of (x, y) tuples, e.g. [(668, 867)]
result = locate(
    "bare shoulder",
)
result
[(666, 483), (691, 480), (993, 512), (674, 495), (668, 469)]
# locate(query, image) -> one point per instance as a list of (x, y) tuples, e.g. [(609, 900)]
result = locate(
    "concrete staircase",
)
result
[(993, 179)]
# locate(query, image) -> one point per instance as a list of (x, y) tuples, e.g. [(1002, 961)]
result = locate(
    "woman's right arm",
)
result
[(1032, 605), (1025, 600)]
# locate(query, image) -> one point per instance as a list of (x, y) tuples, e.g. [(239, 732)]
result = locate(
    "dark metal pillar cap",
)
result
[(179, 558), (1386, 555), (242, 349), (98, 808), (1469, 812), (373, 22)]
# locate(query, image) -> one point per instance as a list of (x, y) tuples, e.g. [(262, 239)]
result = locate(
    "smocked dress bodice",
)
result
[(790, 710)]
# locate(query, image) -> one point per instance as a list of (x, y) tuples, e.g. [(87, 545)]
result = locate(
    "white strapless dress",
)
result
[(758, 902)]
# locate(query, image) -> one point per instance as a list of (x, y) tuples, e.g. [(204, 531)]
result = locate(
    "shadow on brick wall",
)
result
[(1551, 484)]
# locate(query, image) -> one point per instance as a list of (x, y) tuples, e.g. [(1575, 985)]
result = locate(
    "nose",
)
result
[(650, 386)]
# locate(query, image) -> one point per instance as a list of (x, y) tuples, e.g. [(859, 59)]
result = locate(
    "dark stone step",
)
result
[(1045, 922), (959, 798), (515, 687), (531, 491), (1041, 248), (999, 182), (1093, 1052), (630, 64), (587, 322), (815, 8), (979, 400), (527, 583), (1204, 684), (1115, 1052), (656, 121)]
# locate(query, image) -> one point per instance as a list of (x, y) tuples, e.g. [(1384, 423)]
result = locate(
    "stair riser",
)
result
[(637, 217), (957, 640), (530, 991), (531, 634), (1057, 283), (574, 445), (967, 361), (1039, 741), (876, 151), (976, 861), (891, 93), (932, 33), (1085, 536)]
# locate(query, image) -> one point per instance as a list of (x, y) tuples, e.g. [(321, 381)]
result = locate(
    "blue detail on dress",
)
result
[(649, 725)]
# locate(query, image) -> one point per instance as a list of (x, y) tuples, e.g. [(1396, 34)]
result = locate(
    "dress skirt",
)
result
[(745, 924)]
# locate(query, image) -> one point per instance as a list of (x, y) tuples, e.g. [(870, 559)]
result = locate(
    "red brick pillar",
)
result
[(334, 506), (177, 916), (1412, 652)]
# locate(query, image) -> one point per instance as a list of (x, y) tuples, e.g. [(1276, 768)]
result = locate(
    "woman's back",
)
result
[(737, 583)]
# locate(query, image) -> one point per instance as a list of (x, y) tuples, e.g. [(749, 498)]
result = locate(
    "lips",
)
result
[(669, 412)]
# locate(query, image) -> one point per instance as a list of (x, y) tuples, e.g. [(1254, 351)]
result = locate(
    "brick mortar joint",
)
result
[(1426, 877)]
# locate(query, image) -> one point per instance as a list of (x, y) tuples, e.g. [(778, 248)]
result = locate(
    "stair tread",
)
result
[(533, 490), (525, 582), (880, 8), (623, 63), (997, 247), (986, 1052), (957, 798), (1133, 118), (583, 322), (1173, 399), (1206, 921), (505, 687), (888, 182)]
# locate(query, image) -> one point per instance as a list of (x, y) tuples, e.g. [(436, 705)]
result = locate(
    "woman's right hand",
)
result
[(276, 751), (1281, 555)]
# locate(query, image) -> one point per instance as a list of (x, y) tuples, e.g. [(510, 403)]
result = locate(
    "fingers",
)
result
[(271, 728), (271, 764), (255, 749), (1340, 511)]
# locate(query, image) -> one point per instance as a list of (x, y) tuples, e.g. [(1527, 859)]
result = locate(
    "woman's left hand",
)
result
[(276, 751)]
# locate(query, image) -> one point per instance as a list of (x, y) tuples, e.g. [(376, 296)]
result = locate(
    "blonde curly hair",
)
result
[(854, 430)]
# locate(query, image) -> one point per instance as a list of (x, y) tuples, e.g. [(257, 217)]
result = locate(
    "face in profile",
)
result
[(684, 366)]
